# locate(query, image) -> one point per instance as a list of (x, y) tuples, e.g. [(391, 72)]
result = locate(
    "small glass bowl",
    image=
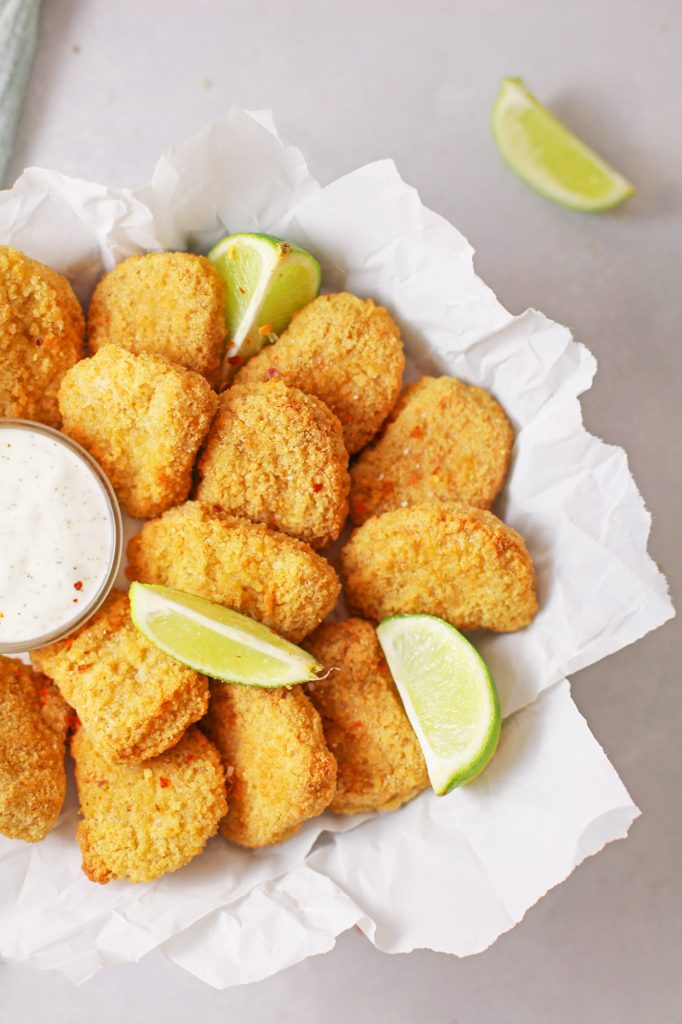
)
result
[(115, 552)]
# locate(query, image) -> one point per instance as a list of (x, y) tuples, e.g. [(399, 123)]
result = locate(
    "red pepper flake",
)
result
[(164, 782), (388, 489), (272, 372), (436, 469), (417, 432), (235, 360), (75, 600), (103, 783), (190, 758), (382, 666), (84, 668), (360, 508), (78, 585), (317, 488), (73, 722), (358, 725)]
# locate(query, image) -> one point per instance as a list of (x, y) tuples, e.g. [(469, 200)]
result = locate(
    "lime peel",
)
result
[(548, 157), (217, 641), (448, 693)]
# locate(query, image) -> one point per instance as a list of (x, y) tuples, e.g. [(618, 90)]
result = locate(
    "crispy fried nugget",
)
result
[(132, 698), (171, 304), (143, 419), (245, 566), (380, 763), (279, 770), (345, 350), (445, 441), (458, 562), (33, 726), (142, 821), (41, 336), (276, 456)]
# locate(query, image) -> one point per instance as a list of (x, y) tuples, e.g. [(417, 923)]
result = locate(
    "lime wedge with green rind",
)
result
[(268, 280), (216, 641), (448, 693), (545, 154)]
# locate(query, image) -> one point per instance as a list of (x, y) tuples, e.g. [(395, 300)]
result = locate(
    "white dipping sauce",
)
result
[(57, 535)]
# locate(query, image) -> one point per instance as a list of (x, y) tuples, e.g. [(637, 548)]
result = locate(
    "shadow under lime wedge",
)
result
[(448, 693), (549, 157), (268, 280), (216, 641)]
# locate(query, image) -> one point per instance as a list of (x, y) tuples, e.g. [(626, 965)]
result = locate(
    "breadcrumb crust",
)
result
[(143, 821), (134, 700), (276, 456), (42, 333), (143, 419), (458, 562), (33, 726), (444, 441), (380, 763), (170, 304), (245, 566), (345, 350), (279, 770)]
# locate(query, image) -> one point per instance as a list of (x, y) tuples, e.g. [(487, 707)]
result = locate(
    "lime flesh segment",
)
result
[(448, 694), (268, 280), (216, 641), (549, 157)]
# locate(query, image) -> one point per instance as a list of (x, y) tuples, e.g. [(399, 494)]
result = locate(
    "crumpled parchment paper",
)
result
[(449, 874)]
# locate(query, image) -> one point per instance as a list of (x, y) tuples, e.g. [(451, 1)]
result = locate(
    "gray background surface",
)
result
[(114, 83)]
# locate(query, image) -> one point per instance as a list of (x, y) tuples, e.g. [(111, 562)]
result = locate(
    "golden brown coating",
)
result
[(41, 336), (133, 699), (143, 419), (33, 726), (458, 562), (444, 441), (379, 760), (276, 456), (142, 821), (170, 304), (279, 770), (245, 566), (344, 350)]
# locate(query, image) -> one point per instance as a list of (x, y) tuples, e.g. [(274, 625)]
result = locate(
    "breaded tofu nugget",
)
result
[(276, 456), (33, 726), (143, 419), (279, 770), (458, 562), (444, 441), (344, 350), (170, 304), (142, 821), (245, 566), (41, 336), (379, 761), (133, 699)]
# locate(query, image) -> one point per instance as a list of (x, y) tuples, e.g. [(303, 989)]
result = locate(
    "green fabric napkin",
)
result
[(18, 31)]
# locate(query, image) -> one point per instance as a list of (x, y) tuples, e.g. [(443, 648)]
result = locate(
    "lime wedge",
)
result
[(448, 693), (268, 280), (216, 641), (549, 157)]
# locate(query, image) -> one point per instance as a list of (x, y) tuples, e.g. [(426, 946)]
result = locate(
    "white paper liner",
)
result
[(450, 874)]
